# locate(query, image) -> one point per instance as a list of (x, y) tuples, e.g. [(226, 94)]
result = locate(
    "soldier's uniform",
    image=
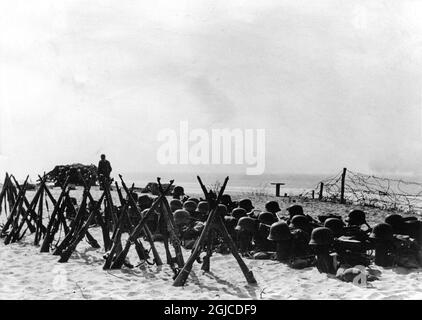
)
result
[(190, 232), (407, 252), (322, 241), (187, 228)]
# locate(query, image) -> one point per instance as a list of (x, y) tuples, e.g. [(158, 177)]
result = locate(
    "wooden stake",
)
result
[(321, 190), (343, 181)]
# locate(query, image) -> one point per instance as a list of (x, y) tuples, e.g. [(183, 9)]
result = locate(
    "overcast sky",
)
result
[(333, 83)]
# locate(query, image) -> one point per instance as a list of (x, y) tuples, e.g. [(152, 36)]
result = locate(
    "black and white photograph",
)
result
[(207, 150)]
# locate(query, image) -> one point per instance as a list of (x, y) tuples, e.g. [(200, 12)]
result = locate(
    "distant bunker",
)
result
[(74, 171)]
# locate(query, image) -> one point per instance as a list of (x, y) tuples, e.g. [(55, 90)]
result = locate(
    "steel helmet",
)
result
[(222, 210), (382, 231), (226, 199), (356, 218), (181, 217), (335, 225), (246, 204), (321, 236), (230, 222), (272, 206), (295, 210), (178, 191), (203, 207), (279, 231), (299, 222), (152, 216), (175, 204), (194, 200), (247, 224), (239, 213), (267, 218), (396, 221), (144, 201), (190, 206), (413, 228)]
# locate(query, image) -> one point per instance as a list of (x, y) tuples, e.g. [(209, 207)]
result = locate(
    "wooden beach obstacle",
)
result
[(214, 223)]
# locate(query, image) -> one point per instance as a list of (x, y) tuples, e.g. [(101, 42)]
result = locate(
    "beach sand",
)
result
[(25, 273)]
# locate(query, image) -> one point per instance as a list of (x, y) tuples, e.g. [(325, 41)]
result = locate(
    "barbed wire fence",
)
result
[(369, 190)]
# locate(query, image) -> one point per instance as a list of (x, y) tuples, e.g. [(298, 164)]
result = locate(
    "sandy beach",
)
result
[(28, 274)]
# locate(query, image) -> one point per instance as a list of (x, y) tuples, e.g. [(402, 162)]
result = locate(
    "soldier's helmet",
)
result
[(356, 218), (226, 199), (272, 206), (175, 204), (181, 217), (178, 191), (299, 222), (246, 204), (279, 231), (382, 231), (194, 200), (247, 224), (295, 210), (335, 225), (413, 228), (203, 207), (151, 217), (222, 210), (230, 222), (321, 236), (190, 206), (239, 213), (396, 221), (144, 201), (267, 218)]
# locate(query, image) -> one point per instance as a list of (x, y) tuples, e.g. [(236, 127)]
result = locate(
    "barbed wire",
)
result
[(373, 191)]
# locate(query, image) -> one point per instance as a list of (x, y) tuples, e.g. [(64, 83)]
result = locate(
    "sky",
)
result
[(333, 83)]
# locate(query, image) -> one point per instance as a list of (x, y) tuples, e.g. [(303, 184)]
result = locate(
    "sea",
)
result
[(294, 184)]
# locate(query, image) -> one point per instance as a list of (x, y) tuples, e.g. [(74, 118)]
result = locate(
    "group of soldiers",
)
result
[(333, 245)]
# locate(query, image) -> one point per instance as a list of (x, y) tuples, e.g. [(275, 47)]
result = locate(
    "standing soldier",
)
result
[(104, 170)]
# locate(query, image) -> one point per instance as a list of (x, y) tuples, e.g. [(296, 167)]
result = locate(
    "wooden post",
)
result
[(343, 180), (321, 189), (277, 187)]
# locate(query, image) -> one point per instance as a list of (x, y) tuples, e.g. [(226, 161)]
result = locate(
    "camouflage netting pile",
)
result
[(59, 173)]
